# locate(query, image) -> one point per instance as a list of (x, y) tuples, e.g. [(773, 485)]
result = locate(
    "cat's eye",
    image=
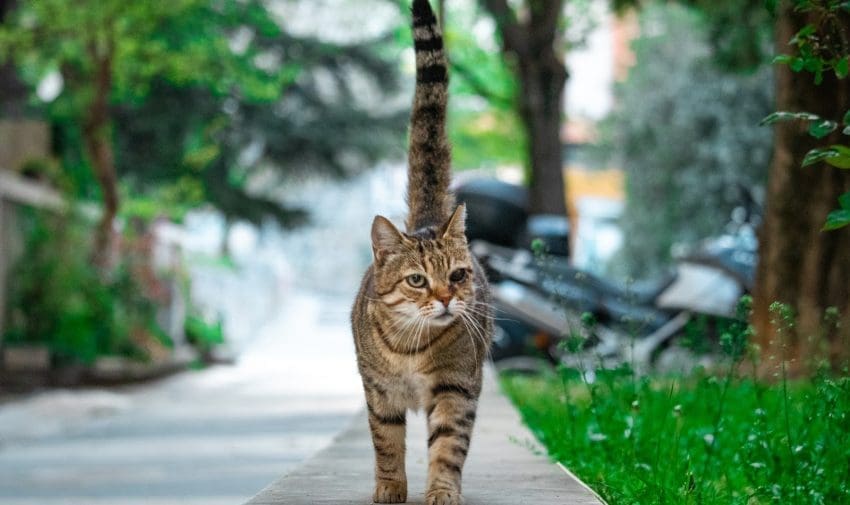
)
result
[(458, 275), (416, 280)]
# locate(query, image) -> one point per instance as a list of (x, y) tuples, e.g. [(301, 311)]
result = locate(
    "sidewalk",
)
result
[(502, 468), (210, 437)]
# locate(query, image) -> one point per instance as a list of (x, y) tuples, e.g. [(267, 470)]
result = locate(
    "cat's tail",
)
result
[(429, 171)]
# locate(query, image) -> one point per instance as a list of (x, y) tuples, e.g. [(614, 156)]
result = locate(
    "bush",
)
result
[(57, 298)]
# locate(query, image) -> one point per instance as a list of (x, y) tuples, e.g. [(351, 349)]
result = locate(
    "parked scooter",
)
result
[(542, 302)]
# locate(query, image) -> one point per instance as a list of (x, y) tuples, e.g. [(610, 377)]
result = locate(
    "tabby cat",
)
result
[(421, 320)]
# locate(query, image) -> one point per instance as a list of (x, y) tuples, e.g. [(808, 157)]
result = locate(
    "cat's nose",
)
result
[(445, 300)]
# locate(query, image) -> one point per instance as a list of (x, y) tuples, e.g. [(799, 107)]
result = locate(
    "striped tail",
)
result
[(429, 158)]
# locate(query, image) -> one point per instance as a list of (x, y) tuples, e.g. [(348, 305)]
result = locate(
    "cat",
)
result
[(422, 321)]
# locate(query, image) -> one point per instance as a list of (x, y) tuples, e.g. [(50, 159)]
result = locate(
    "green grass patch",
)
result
[(700, 439)]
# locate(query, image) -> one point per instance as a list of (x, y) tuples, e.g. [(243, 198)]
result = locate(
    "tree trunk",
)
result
[(542, 85), (800, 265), (98, 145), (533, 43)]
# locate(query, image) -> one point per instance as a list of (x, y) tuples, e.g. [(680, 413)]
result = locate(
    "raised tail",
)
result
[(429, 158)]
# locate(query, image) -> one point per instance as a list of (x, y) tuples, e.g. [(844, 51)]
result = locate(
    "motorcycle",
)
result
[(546, 307)]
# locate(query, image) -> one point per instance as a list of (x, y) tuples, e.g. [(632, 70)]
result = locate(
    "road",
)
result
[(210, 437)]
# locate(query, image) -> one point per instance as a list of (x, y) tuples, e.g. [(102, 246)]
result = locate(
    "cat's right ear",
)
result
[(385, 238)]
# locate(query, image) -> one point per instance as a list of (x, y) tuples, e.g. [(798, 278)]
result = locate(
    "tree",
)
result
[(320, 124), (683, 130), (109, 50), (533, 44), (801, 266)]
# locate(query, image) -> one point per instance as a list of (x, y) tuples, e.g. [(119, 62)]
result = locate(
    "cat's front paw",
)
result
[(390, 491), (443, 497)]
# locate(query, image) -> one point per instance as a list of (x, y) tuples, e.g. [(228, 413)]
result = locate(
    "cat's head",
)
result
[(425, 277)]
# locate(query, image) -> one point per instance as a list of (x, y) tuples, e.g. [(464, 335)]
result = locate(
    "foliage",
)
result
[(203, 335), (58, 299), (183, 41), (820, 47), (711, 437), (483, 125), (208, 94), (700, 439), (720, 436), (683, 131), (321, 123)]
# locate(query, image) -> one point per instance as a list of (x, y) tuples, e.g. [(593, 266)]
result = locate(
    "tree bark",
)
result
[(533, 44), (800, 265), (542, 83), (97, 129)]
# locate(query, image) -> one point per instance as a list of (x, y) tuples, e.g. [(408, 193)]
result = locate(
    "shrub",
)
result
[(57, 298)]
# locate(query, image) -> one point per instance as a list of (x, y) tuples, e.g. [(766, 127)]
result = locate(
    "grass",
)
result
[(700, 439)]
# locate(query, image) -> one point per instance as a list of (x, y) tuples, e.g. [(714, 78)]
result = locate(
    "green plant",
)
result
[(57, 298), (203, 335), (822, 46), (713, 437), (700, 439)]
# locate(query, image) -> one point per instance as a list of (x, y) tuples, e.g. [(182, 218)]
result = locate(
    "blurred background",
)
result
[(186, 191)]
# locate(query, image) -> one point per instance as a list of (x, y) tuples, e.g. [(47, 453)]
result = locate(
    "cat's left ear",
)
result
[(455, 227), (385, 238)]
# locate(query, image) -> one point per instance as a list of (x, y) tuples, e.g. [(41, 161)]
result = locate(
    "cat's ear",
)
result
[(455, 227), (385, 237)]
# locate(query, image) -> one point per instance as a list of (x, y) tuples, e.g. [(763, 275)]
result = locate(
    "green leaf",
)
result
[(821, 129), (788, 116), (842, 68), (771, 5), (846, 130), (844, 201), (797, 64), (783, 59), (837, 219), (846, 119), (842, 159), (805, 32), (818, 155)]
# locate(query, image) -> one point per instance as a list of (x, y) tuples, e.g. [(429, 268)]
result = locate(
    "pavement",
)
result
[(505, 465), (209, 437)]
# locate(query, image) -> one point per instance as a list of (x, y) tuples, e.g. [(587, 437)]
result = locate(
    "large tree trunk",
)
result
[(533, 45), (98, 145), (542, 100), (800, 265)]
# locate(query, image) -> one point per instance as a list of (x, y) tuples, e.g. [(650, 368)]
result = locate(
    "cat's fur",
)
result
[(423, 347)]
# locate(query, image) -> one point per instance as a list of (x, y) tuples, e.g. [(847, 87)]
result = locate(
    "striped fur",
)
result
[(421, 321), (429, 157)]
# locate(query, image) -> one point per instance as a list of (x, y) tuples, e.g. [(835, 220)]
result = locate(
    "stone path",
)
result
[(505, 466)]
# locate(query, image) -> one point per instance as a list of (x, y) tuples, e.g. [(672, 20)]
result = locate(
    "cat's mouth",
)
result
[(443, 318)]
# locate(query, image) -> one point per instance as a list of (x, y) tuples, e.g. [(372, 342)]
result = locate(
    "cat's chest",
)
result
[(408, 388)]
